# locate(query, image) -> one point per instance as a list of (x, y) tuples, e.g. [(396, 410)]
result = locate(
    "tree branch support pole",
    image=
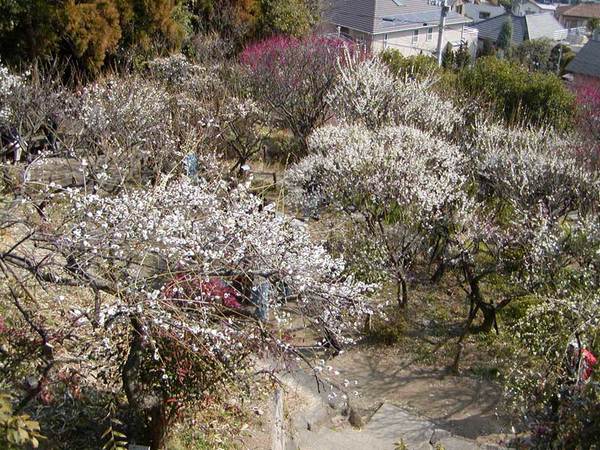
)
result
[(443, 14), (278, 434)]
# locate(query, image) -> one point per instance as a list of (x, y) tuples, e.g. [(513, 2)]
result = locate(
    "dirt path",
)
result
[(463, 405)]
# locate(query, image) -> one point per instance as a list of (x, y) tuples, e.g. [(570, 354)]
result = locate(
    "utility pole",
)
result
[(443, 14)]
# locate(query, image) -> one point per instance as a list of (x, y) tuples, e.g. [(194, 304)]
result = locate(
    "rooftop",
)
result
[(587, 10), (472, 10), (384, 16), (587, 61), (531, 26)]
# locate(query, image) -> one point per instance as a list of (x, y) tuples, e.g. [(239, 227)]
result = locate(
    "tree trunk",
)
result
[(487, 309), (401, 293), (476, 303), (439, 272), (459, 346), (157, 425), (149, 421)]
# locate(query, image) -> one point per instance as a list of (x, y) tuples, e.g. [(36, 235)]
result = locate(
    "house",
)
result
[(586, 64), (524, 7), (528, 27), (482, 11), (410, 26), (575, 16)]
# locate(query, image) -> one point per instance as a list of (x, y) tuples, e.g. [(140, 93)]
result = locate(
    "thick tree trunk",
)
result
[(459, 344), (401, 292), (150, 419), (477, 303), (439, 272)]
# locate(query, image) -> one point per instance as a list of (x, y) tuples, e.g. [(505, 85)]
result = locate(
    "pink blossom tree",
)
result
[(588, 101), (292, 77)]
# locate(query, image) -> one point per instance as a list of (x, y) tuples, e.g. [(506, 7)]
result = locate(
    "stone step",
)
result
[(326, 439), (392, 424), (391, 427)]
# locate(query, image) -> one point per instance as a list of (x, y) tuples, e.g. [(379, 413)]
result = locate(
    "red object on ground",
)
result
[(184, 286), (588, 362)]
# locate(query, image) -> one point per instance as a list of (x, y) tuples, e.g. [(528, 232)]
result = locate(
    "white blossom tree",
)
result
[(162, 276), (525, 186), (366, 93), (394, 184)]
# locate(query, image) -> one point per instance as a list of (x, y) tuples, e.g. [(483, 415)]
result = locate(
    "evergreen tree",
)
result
[(593, 24), (290, 17), (88, 31), (505, 36), (28, 29), (487, 49), (91, 31), (448, 57), (462, 56)]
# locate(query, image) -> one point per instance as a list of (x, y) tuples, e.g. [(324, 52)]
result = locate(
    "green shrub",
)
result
[(17, 431), (517, 309), (388, 332), (419, 66), (520, 97)]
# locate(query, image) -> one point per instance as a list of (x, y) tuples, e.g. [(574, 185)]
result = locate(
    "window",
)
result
[(484, 15), (415, 37), (385, 41), (430, 34)]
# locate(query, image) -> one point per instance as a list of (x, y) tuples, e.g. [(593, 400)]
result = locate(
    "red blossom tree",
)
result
[(291, 77), (588, 102)]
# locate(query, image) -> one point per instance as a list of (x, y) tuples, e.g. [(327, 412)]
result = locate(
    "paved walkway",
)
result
[(322, 419)]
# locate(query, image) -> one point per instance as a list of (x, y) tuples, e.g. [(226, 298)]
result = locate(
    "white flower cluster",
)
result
[(205, 229), (9, 82), (130, 127), (390, 166), (126, 113), (174, 69), (529, 166), (367, 93), (395, 183), (240, 109)]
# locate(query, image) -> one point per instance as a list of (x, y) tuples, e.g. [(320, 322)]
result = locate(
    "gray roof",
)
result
[(490, 29), (531, 26), (472, 10), (384, 16), (542, 25), (587, 61)]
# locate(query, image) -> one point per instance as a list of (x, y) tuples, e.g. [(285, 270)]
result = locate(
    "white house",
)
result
[(482, 11), (524, 7), (410, 26)]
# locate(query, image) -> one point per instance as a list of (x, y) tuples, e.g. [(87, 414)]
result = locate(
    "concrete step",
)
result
[(326, 439), (392, 424)]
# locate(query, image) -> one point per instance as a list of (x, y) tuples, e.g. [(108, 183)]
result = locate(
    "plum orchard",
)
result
[(507, 211), (134, 285)]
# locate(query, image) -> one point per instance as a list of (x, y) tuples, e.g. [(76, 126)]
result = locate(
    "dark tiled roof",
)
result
[(531, 26), (354, 14), (587, 10), (382, 16), (587, 60), (490, 28)]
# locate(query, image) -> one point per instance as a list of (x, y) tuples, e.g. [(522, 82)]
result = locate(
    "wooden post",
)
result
[(278, 434)]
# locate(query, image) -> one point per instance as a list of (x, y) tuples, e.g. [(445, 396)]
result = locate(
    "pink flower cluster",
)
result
[(187, 286)]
